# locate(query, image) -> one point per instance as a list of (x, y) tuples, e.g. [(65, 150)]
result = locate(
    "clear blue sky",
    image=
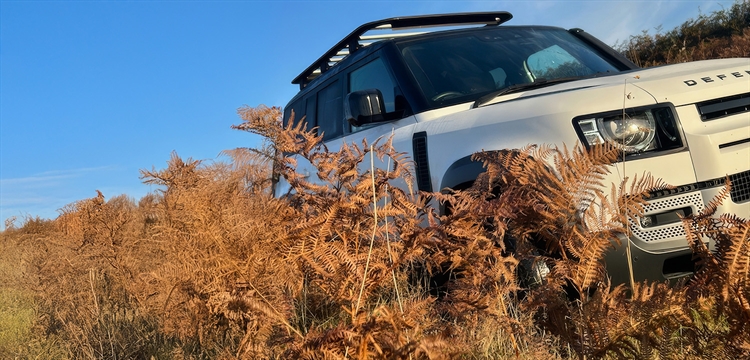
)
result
[(93, 91)]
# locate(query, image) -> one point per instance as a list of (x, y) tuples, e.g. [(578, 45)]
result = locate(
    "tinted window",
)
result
[(374, 76), (310, 113), (330, 115), (298, 112), (303, 111), (462, 67)]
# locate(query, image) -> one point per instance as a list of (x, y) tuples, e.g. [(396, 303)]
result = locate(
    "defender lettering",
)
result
[(708, 79)]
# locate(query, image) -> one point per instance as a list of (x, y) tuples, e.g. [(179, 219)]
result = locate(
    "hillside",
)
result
[(722, 34)]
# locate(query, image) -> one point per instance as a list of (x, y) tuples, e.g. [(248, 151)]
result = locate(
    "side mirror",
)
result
[(364, 107)]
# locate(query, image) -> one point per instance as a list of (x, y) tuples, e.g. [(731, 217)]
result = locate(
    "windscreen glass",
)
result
[(462, 67)]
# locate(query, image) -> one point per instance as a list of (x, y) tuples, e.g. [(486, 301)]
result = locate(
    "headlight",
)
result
[(635, 131)]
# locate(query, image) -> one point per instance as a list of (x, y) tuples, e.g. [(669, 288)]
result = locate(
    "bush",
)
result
[(721, 34)]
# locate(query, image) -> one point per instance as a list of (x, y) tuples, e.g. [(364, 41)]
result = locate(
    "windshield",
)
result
[(462, 67)]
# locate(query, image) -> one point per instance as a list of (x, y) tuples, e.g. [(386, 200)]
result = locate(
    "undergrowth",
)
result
[(211, 266), (721, 34)]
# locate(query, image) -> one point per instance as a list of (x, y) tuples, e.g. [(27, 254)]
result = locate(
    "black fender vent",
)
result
[(419, 142)]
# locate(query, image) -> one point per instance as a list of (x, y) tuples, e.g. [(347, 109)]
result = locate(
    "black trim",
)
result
[(315, 85), (733, 143), (608, 52), (726, 106), (351, 40), (419, 144), (461, 173), (701, 185), (681, 264), (740, 191)]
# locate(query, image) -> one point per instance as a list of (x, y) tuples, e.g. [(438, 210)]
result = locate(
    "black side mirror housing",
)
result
[(364, 107)]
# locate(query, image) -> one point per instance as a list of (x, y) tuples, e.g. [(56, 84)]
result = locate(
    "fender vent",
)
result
[(419, 142), (718, 108)]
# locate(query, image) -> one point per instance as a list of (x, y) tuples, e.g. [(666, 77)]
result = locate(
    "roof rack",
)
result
[(357, 40)]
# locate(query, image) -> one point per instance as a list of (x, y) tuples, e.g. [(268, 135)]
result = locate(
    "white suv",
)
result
[(445, 95)]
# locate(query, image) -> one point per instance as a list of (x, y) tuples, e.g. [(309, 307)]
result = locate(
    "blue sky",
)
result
[(93, 91)]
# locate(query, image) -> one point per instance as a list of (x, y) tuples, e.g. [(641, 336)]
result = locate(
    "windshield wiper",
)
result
[(538, 83)]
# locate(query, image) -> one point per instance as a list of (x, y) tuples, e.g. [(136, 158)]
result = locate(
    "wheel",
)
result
[(532, 270)]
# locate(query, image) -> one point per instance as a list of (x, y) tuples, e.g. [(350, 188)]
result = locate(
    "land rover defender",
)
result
[(447, 86)]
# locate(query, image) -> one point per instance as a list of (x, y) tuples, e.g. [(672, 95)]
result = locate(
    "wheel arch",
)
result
[(461, 174)]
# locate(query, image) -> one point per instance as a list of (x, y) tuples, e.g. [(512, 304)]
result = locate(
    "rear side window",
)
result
[(304, 110), (298, 109), (329, 115), (310, 118)]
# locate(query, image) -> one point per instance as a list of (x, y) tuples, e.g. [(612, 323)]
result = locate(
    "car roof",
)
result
[(358, 39)]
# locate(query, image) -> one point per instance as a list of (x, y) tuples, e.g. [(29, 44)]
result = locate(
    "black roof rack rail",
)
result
[(353, 41)]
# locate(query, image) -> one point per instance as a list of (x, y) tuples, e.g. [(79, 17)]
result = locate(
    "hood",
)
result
[(692, 82), (678, 84)]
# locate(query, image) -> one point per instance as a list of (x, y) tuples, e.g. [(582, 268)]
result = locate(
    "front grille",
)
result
[(718, 108), (683, 196), (740, 191)]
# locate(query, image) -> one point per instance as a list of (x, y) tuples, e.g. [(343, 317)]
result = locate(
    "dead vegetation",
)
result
[(721, 34), (211, 266)]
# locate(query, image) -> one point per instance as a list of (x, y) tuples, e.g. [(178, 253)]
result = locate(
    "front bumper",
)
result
[(718, 148), (661, 251)]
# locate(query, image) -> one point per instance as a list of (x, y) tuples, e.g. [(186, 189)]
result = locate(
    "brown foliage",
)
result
[(721, 286), (212, 266), (721, 34)]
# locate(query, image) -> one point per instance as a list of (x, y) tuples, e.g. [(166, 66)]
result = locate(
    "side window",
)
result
[(329, 115), (302, 109), (298, 112), (310, 112), (374, 75)]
